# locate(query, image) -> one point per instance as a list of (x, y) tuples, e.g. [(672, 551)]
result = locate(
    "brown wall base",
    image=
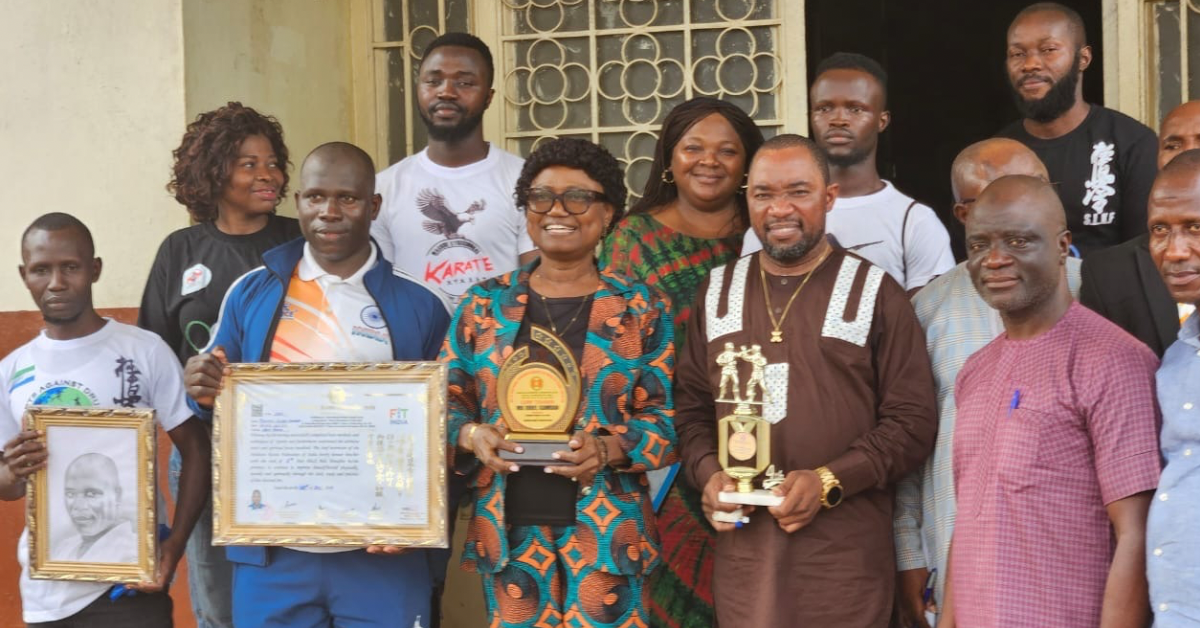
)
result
[(463, 603)]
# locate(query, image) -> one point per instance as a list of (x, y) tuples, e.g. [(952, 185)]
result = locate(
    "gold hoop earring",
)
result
[(665, 172), (745, 182)]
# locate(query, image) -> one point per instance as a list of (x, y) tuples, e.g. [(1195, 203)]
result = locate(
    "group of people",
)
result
[(966, 444)]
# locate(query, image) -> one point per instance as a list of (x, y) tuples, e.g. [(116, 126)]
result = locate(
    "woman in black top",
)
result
[(230, 173)]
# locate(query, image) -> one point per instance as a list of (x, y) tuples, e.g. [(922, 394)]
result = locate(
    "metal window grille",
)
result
[(1174, 44), (400, 31), (610, 70)]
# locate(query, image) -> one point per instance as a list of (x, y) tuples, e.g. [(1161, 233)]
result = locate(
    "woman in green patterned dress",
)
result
[(691, 218)]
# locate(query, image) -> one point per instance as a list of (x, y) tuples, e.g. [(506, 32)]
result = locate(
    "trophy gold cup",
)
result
[(744, 437), (539, 400)]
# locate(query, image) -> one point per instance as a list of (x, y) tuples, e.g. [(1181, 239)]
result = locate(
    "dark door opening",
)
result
[(947, 84)]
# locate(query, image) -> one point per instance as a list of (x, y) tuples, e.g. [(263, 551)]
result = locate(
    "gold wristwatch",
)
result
[(831, 488)]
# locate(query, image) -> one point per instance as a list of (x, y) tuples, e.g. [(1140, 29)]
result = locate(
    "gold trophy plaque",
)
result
[(539, 400), (744, 437)]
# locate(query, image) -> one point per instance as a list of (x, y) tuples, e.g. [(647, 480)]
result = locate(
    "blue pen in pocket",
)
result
[(1015, 403)]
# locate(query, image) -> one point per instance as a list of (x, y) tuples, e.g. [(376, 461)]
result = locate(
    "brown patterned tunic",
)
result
[(851, 389)]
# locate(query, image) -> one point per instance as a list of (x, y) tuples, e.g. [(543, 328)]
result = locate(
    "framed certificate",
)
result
[(92, 512), (333, 455)]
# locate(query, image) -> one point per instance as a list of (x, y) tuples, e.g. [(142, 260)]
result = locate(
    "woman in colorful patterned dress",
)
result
[(568, 544), (690, 219)]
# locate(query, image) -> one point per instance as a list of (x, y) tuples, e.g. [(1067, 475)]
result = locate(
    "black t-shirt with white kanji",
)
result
[(191, 273), (1103, 171)]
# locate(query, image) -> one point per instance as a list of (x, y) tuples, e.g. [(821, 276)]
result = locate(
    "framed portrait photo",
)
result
[(92, 512), (333, 455)]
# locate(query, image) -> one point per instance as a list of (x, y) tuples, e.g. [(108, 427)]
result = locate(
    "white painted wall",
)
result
[(91, 106), (286, 58)]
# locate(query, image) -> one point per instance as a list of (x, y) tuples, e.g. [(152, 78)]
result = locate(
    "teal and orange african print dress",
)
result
[(590, 574), (679, 591)]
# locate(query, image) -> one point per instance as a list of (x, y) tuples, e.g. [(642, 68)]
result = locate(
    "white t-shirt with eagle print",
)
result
[(451, 228)]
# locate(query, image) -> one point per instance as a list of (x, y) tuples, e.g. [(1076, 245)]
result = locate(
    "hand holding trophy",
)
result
[(744, 437)]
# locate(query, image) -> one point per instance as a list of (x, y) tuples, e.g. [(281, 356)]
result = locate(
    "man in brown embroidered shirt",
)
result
[(850, 400)]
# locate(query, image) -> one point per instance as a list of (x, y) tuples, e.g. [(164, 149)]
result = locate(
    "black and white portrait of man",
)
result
[(92, 496)]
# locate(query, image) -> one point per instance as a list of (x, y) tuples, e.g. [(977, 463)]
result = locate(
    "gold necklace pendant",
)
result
[(550, 317), (777, 323)]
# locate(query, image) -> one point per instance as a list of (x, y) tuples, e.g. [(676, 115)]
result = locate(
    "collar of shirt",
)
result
[(1190, 331), (309, 270)]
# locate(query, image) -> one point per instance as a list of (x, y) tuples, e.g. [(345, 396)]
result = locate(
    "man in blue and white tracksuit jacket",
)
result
[(330, 297)]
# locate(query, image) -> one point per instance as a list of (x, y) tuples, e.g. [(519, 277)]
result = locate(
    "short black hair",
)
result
[(344, 149), (1073, 18), (791, 140), (593, 159), (463, 40), (854, 61), (59, 221)]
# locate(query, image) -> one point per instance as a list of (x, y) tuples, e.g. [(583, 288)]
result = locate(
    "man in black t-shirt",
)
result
[(1123, 284), (1101, 161)]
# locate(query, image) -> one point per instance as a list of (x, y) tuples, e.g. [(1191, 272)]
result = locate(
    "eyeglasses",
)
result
[(574, 201)]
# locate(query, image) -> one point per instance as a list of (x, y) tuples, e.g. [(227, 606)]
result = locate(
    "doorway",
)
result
[(946, 82)]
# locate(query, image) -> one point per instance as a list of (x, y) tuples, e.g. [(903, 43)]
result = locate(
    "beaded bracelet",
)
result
[(603, 448)]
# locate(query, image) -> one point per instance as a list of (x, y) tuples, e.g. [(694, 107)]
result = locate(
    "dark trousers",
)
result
[(144, 610)]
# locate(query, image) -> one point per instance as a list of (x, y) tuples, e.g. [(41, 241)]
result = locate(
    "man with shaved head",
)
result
[(957, 323), (329, 297), (92, 493), (1122, 283), (1100, 160), (1055, 447), (1180, 132), (1172, 545)]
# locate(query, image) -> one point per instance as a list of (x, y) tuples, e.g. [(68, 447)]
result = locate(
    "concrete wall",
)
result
[(92, 105), (96, 96), (286, 58)]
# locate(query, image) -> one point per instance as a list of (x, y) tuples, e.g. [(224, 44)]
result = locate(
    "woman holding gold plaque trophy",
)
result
[(559, 397)]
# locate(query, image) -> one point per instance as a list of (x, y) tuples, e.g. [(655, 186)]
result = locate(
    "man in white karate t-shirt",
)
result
[(870, 216), (448, 217), (81, 359)]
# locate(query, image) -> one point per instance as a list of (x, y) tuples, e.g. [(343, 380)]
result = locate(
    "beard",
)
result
[(453, 133), (1057, 101), (856, 156), (792, 253)]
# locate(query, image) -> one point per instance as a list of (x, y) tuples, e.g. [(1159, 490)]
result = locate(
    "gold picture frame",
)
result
[(324, 439), (131, 429)]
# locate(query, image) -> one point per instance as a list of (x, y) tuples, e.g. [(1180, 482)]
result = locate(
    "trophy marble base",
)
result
[(536, 454), (757, 497), (734, 517)]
